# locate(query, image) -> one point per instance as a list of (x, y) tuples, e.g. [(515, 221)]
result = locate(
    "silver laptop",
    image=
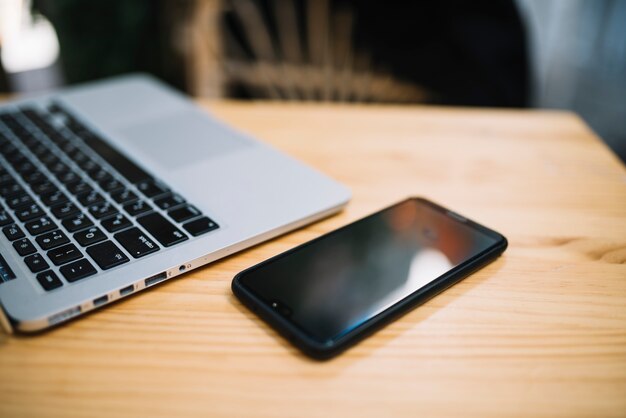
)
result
[(112, 187)]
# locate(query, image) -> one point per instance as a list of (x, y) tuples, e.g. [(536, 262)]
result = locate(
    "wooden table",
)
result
[(540, 332)]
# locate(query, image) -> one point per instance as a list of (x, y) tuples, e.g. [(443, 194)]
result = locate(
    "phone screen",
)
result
[(333, 284)]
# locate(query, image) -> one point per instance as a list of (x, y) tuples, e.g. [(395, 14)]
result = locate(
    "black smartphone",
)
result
[(331, 292)]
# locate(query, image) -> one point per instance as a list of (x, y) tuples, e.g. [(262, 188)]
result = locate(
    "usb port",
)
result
[(155, 279), (100, 301), (127, 290)]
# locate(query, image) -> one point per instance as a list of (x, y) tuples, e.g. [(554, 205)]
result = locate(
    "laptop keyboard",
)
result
[(59, 180)]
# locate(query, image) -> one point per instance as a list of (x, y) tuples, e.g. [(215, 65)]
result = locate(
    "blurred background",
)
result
[(562, 54)]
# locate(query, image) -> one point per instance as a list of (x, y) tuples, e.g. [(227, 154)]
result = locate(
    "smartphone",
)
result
[(329, 293)]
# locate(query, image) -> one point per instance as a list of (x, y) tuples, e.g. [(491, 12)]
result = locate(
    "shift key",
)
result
[(136, 242), (162, 229)]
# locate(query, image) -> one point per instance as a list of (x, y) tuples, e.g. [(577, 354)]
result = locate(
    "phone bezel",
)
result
[(319, 350)]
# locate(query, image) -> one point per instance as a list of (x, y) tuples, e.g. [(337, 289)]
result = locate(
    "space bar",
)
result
[(123, 165)]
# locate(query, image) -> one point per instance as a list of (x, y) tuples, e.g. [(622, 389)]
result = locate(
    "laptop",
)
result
[(109, 188)]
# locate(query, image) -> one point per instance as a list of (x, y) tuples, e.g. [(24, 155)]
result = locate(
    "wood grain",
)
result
[(541, 332)]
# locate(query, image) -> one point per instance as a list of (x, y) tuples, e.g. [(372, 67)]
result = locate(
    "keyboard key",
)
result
[(58, 168), (36, 263), (102, 209), (68, 176), (169, 201), (5, 179), (90, 198), (10, 189), (78, 187), (54, 198), (123, 196), (77, 222), (34, 177), (43, 188), (13, 232), (24, 247), (49, 280), (64, 210), (116, 223), (77, 270), (110, 185), (52, 239), (39, 226), (137, 243), (184, 213), (19, 200), (89, 236), (99, 174), (128, 169), (138, 207), (200, 226), (5, 218), (107, 255), (89, 165), (28, 212), (152, 188), (64, 254), (162, 229)]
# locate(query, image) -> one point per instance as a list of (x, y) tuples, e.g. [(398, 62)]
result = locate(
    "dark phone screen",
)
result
[(335, 284)]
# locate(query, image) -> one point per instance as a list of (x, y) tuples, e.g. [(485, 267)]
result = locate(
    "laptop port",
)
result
[(127, 290), (155, 279), (100, 301)]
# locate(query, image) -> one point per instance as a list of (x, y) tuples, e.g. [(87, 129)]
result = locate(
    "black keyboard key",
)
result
[(100, 175), (131, 171), (89, 236), (152, 188), (36, 263), (101, 210), (52, 239), (28, 212), (64, 254), (64, 210), (49, 280), (24, 247), (34, 177), (89, 165), (10, 189), (77, 270), (110, 185), (40, 225), (107, 255), (6, 178), (13, 232), (184, 213), (136, 242), (90, 198), (162, 229), (54, 198), (67, 177), (200, 226), (58, 167), (5, 218), (116, 223), (137, 208), (24, 168), (169, 201), (78, 187), (43, 188), (49, 160), (19, 200), (77, 222), (123, 196)]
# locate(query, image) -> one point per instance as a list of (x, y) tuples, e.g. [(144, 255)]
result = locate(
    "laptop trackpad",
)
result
[(182, 138)]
